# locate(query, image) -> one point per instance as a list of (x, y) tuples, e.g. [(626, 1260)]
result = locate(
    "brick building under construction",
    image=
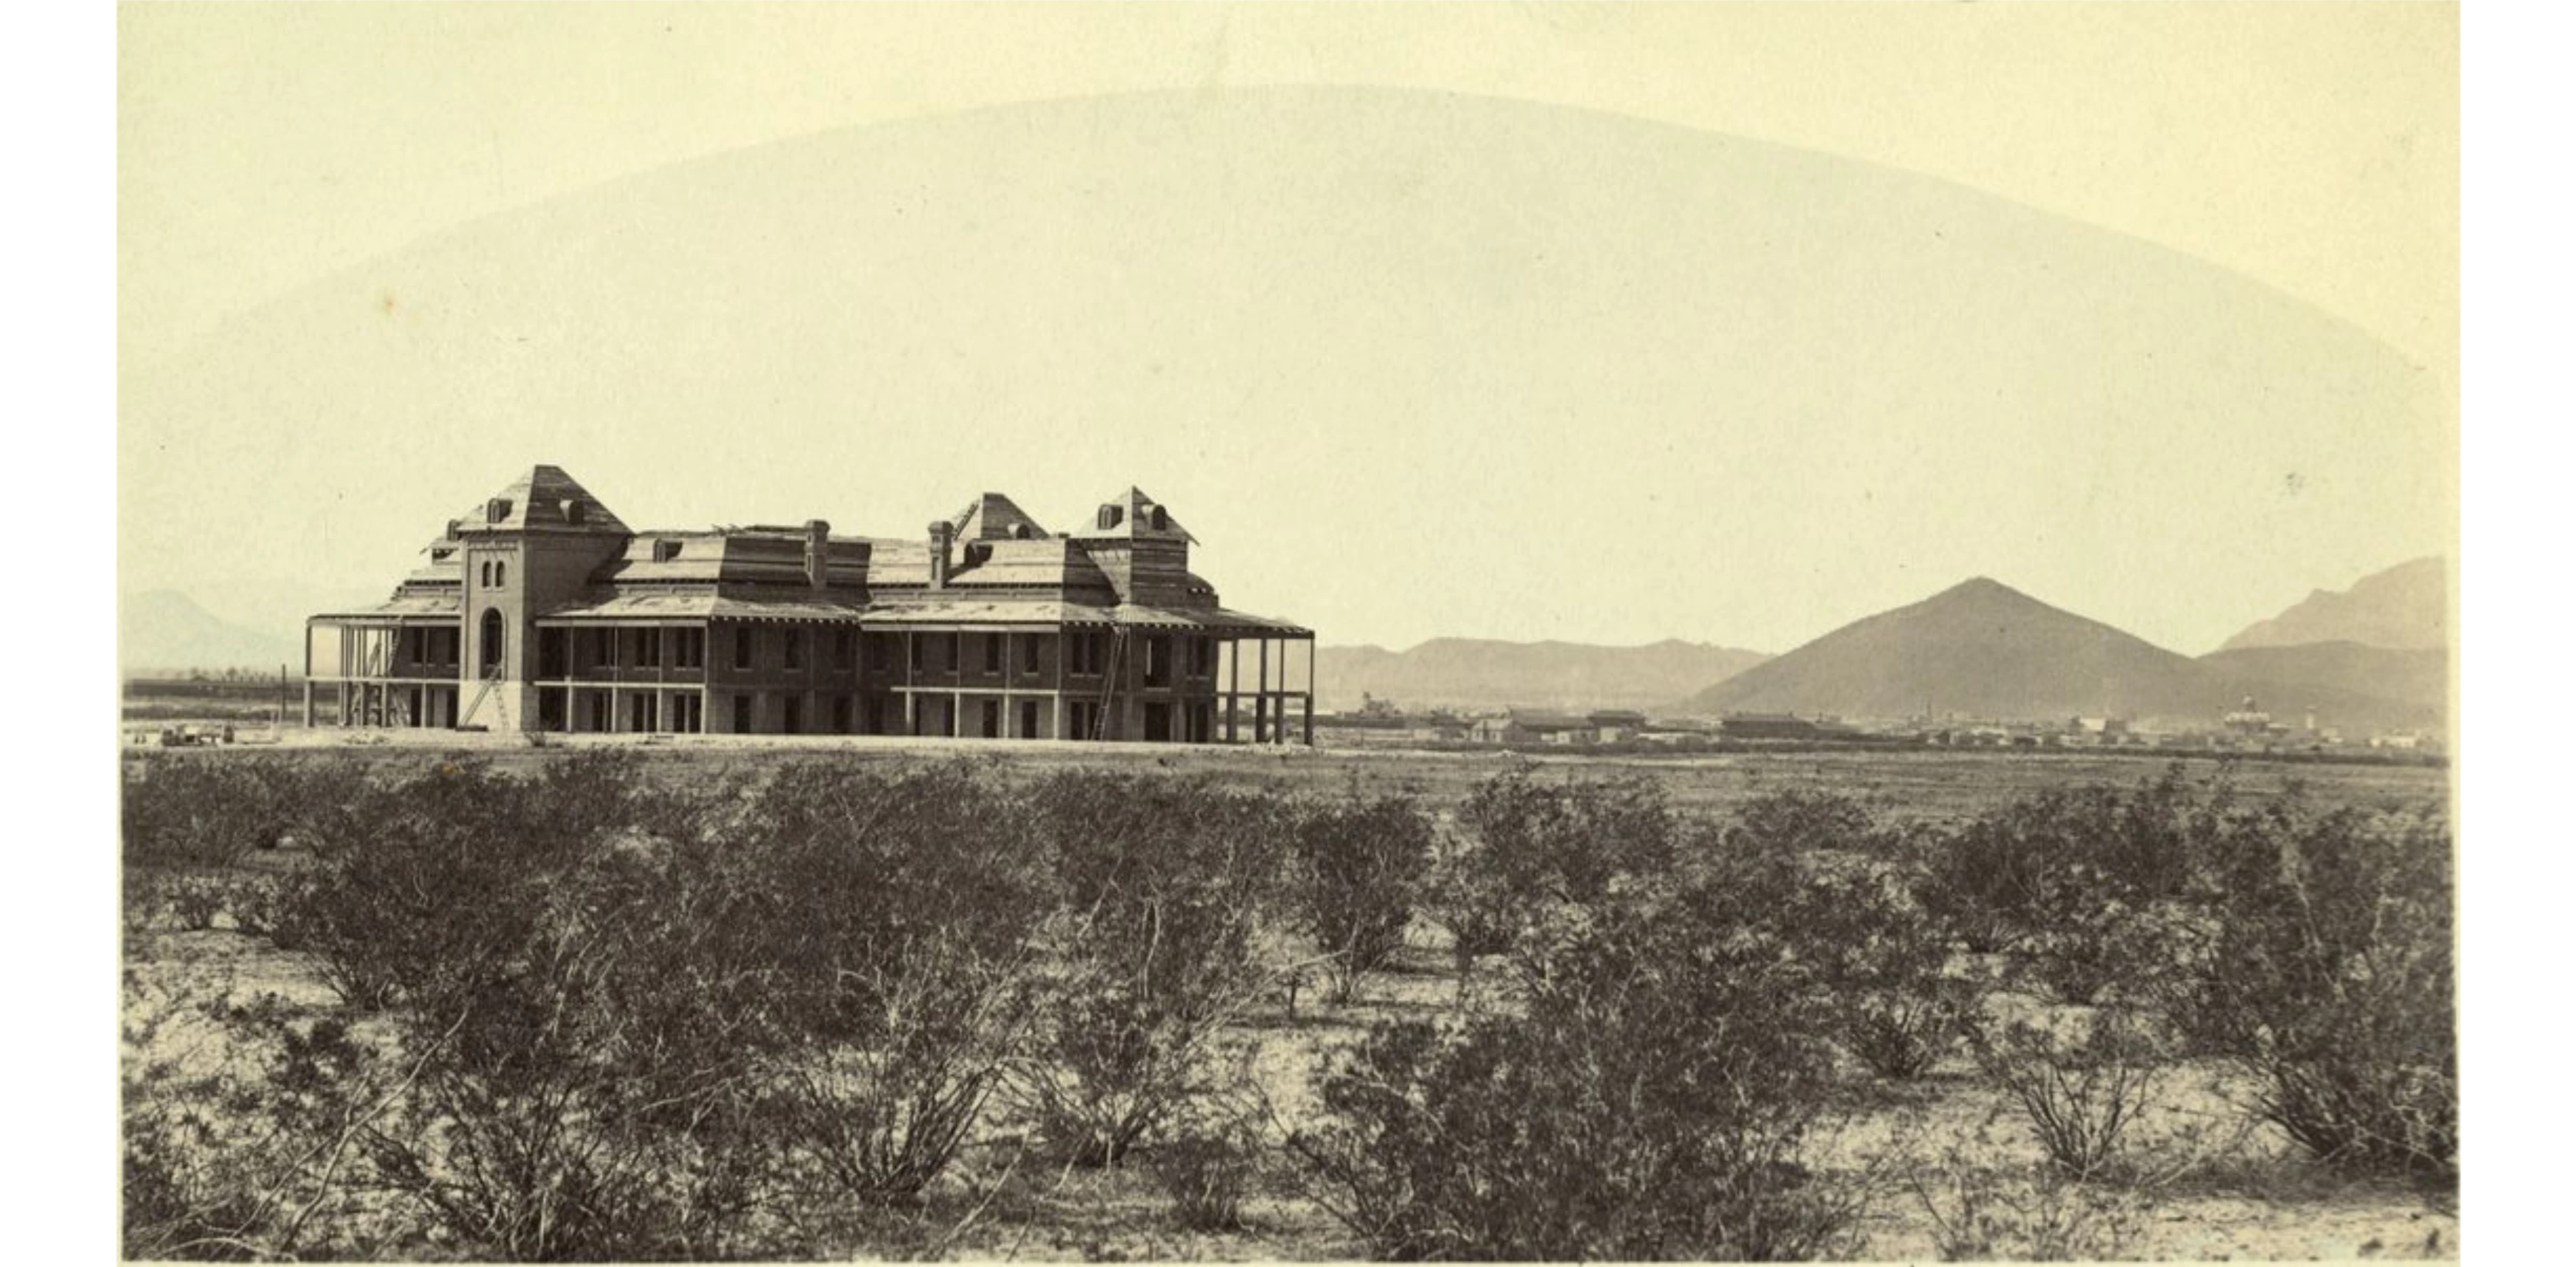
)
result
[(541, 611)]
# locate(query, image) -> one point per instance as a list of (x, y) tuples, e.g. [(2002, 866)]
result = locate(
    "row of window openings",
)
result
[(493, 572), (1087, 654), (620, 648)]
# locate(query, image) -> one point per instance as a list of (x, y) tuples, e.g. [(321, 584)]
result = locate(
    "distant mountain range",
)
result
[(2407, 608), (1982, 649), (1472, 673), (164, 630)]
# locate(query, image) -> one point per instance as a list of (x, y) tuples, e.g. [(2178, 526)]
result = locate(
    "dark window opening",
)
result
[(845, 649), (742, 714), (795, 648), (665, 551), (1028, 719), (840, 714), (496, 510), (648, 648), (491, 640), (742, 648), (795, 716), (993, 652), (689, 648)]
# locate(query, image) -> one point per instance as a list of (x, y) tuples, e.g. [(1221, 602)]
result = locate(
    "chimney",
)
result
[(941, 533), (818, 553)]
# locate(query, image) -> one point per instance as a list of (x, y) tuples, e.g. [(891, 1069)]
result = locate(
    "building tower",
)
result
[(529, 549)]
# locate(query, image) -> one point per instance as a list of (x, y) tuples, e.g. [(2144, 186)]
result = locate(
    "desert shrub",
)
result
[(1166, 887), (583, 988), (2035, 1214), (1208, 1163), (1646, 1102), (908, 907), (1527, 857), (1985, 883), (1891, 993), (1831, 884), (204, 812), (2081, 1087), (1470, 902), (2085, 888), (1359, 869), (1794, 821), (427, 893), (1569, 841), (2329, 978)]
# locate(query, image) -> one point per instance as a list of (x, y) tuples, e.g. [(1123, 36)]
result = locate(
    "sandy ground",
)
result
[(2215, 1190)]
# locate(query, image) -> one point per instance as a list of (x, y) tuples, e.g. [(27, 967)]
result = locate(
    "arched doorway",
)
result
[(491, 641)]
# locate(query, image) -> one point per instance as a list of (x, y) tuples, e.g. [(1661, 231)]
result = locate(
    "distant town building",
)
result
[(2248, 718), (1534, 726), (1616, 725)]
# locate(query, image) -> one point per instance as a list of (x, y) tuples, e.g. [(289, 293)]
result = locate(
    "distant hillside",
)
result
[(2406, 607), (1477, 673), (2279, 676), (164, 629), (1984, 650)]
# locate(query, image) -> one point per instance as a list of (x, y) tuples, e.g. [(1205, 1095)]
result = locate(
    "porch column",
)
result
[(911, 702), (1310, 693)]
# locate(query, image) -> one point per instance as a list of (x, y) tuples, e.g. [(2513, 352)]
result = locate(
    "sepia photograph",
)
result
[(1238, 632)]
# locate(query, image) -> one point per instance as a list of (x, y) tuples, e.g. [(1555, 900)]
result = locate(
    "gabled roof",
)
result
[(711, 555), (993, 517), (1135, 520), (543, 498)]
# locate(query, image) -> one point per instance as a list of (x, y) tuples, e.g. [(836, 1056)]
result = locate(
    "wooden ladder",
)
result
[(1109, 683), (490, 680)]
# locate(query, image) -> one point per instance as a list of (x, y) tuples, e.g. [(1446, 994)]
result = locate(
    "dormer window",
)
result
[(496, 510), (571, 511), (1162, 522), (1110, 517), (665, 551)]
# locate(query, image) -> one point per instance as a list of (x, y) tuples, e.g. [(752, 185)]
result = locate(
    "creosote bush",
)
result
[(1646, 1102), (1167, 885), (1359, 867), (2080, 1087), (2329, 979)]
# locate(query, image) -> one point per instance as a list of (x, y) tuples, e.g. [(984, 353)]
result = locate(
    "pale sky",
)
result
[(271, 152)]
